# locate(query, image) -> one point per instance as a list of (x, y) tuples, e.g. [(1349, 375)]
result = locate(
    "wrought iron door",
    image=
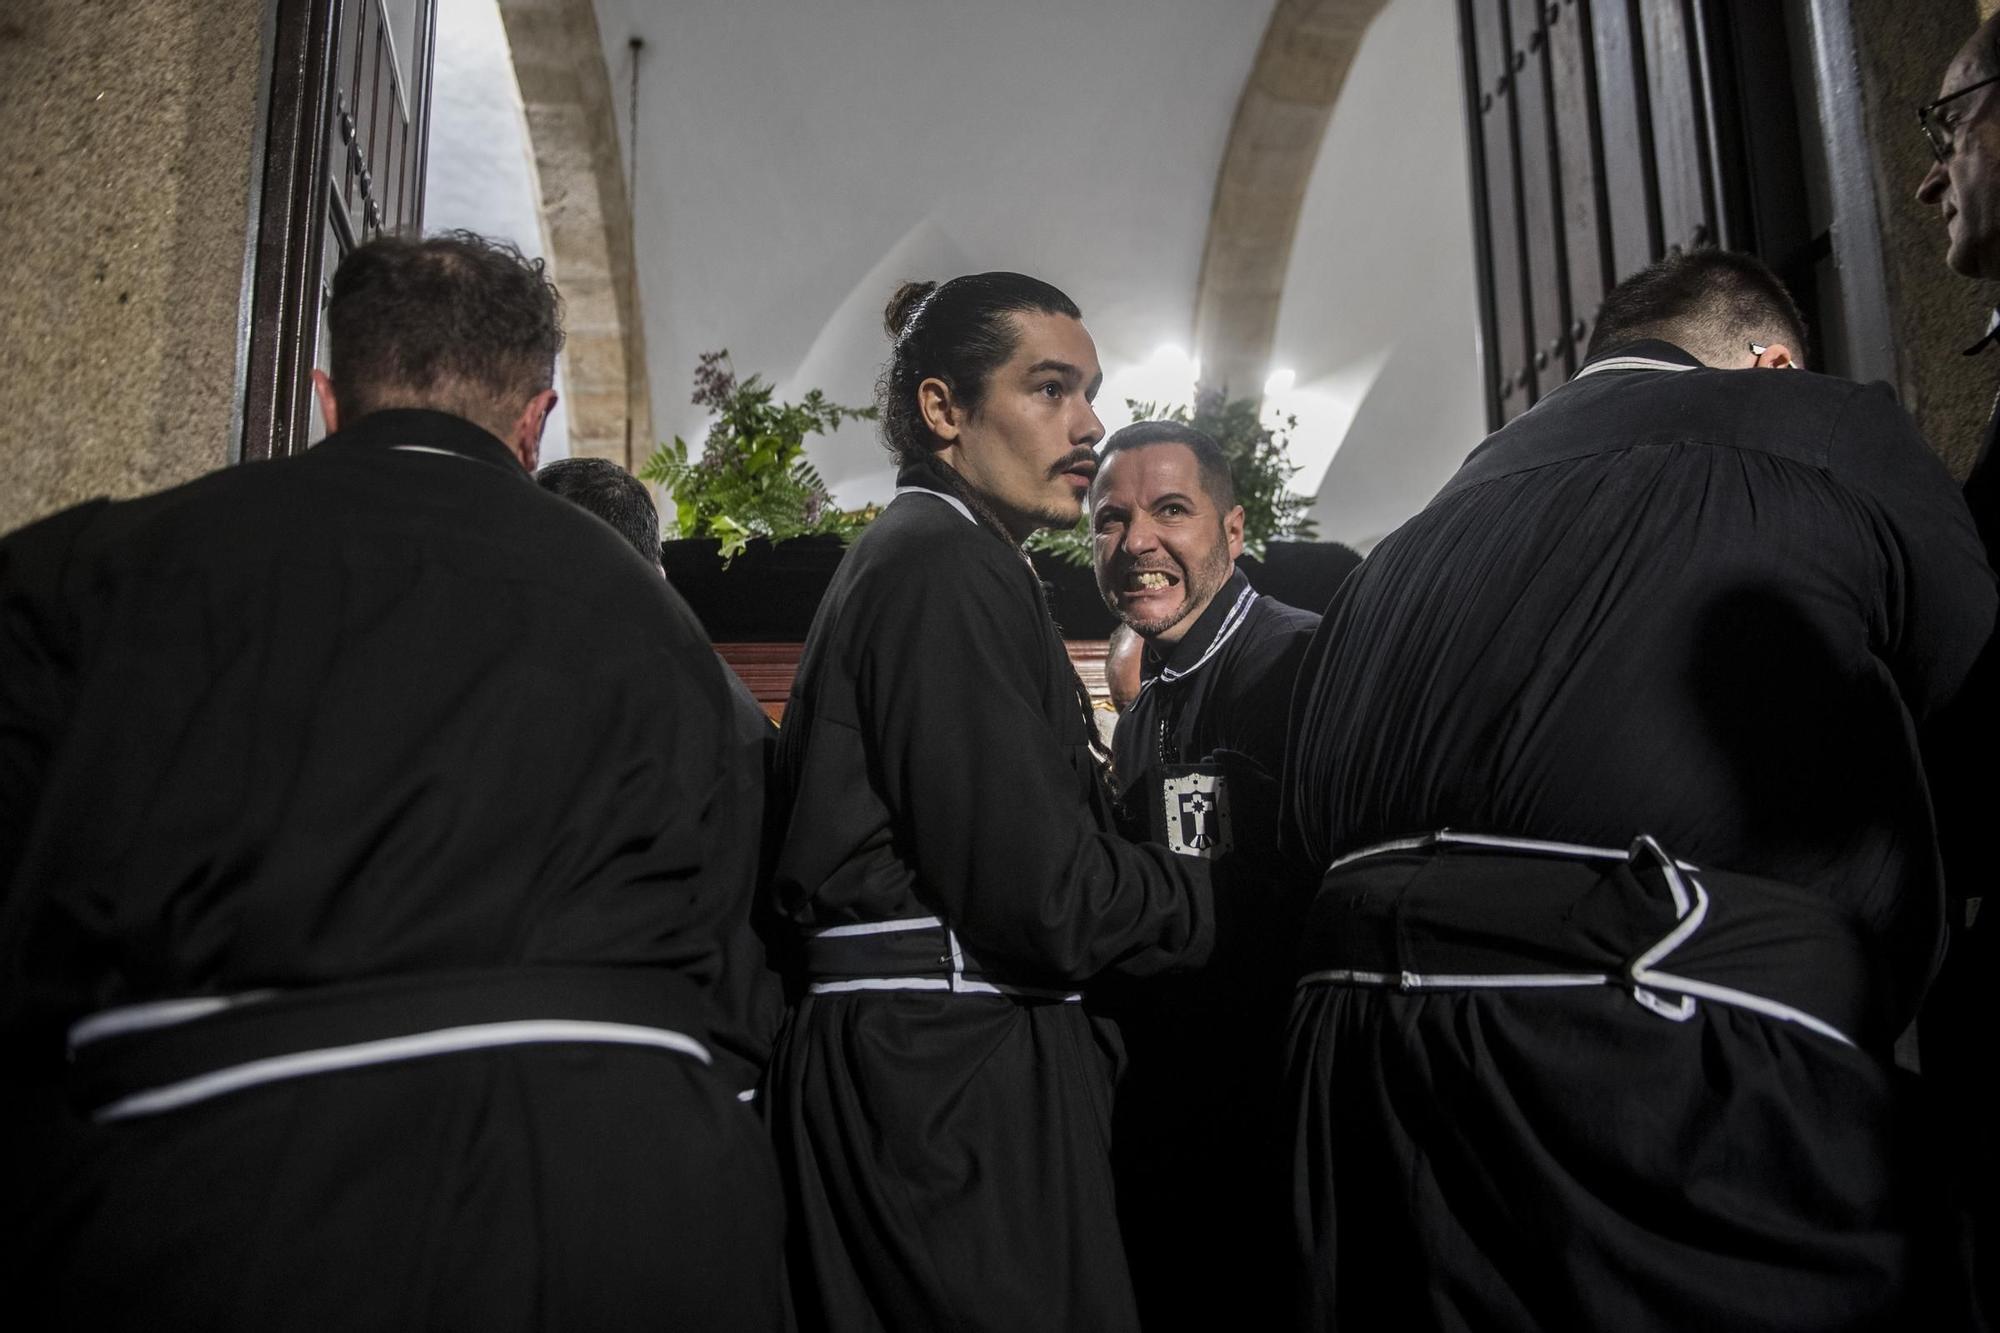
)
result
[(349, 113), (1605, 133)]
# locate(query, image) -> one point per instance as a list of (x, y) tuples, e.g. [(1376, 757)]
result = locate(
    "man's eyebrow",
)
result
[(1188, 500), (1063, 368)]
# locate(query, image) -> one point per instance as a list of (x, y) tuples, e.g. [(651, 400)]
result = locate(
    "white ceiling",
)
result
[(796, 161)]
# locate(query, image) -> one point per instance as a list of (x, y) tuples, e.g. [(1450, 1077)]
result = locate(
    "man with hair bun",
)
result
[(1630, 874), (372, 824), (948, 857)]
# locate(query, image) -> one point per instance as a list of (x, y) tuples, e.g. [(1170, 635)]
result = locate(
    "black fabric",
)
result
[(1521, 1160), (1961, 1015), (1197, 1142), (947, 1155), (1456, 911), (532, 1187), (1711, 606), (1982, 488), (382, 710)]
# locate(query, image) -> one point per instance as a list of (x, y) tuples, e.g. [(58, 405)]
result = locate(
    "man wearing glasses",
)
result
[(1962, 1015), (1965, 139), (1963, 128)]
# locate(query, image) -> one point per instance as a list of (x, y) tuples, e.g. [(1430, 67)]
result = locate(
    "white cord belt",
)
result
[(1644, 976), (236, 1077), (951, 978)]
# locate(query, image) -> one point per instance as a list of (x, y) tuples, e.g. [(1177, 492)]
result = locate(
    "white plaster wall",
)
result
[(1379, 321), (797, 161), (481, 172)]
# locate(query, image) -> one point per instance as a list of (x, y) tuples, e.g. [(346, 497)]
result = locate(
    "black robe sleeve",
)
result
[(988, 773), (35, 664)]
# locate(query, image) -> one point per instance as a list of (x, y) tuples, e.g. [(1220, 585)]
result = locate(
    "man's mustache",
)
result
[(1072, 459)]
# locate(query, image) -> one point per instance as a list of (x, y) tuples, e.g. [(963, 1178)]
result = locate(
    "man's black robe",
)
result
[(1197, 1143), (388, 731), (1961, 1017), (946, 1148), (1712, 607)]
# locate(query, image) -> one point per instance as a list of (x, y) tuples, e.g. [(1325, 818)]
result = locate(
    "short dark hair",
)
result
[(455, 321), (959, 332), (1216, 480), (1708, 301), (610, 492)]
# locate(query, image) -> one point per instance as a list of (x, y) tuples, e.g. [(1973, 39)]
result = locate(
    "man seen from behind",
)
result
[(1630, 881), (367, 835)]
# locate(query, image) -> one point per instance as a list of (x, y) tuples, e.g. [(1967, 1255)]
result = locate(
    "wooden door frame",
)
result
[(286, 248)]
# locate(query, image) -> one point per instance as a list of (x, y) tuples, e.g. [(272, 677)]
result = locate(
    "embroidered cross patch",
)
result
[(1196, 806)]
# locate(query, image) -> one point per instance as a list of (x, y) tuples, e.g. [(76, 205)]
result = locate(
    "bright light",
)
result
[(1166, 378), (1281, 381), (1325, 408)]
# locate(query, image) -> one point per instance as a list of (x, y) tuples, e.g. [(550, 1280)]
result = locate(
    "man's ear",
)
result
[(1777, 356), (939, 409), (329, 410), (1232, 527), (526, 437)]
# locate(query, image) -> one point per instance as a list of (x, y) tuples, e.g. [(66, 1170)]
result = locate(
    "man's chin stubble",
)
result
[(1055, 520)]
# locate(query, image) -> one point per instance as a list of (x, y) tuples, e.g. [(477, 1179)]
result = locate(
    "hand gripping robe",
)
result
[(372, 827), (1198, 1143), (1692, 620), (941, 1099)]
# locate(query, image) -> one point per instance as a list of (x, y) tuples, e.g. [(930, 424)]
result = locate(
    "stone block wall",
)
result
[(124, 216)]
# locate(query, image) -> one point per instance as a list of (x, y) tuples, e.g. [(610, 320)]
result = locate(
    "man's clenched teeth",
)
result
[(1148, 580)]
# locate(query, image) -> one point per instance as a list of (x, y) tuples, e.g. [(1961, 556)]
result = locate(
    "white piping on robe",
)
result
[(154, 1014), (877, 927), (951, 500), (427, 449), (1629, 363)]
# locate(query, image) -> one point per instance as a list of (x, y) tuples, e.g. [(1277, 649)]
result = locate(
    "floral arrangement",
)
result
[(752, 478)]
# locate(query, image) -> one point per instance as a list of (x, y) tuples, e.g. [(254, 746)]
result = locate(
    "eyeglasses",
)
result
[(1934, 127)]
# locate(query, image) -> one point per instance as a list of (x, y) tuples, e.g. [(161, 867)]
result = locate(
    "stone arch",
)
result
[(1307, 50), (573, 132)]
